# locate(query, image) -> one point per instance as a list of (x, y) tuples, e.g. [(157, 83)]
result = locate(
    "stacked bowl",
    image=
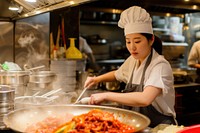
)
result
[(66, 74)]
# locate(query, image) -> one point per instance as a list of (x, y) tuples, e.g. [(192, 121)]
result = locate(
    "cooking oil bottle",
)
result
[(72, 52)]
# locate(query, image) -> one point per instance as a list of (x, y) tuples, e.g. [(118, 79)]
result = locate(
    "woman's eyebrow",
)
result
[(134, 38), (137, 38)]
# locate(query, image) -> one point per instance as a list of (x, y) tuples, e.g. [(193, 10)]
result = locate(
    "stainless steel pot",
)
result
[(41, 80), (7, 95), (18, 120), (14, 77), (42, 77), (112, 86)]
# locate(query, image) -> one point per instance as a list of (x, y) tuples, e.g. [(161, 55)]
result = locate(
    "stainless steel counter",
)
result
[(186, 85)]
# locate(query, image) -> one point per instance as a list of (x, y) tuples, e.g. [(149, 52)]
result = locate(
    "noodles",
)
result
[(95, 121)]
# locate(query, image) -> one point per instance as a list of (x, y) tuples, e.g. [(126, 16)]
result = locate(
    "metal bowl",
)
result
[(19, 120)]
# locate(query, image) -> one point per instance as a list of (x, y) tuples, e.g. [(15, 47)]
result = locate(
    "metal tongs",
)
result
[(48, 93), (78, 99)]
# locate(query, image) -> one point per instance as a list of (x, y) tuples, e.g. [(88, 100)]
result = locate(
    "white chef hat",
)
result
[(135, 20)]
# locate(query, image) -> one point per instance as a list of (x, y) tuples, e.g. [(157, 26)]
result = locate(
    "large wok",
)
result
[(18, 120)]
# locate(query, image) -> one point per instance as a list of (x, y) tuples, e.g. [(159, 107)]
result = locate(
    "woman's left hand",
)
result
[(97, 98)]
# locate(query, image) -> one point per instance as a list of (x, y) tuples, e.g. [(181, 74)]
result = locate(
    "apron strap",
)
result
[(134, 87), (145, 67), (155, 116), (128, 88)]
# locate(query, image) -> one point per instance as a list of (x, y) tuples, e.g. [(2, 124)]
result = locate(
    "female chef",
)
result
[(148, 76)]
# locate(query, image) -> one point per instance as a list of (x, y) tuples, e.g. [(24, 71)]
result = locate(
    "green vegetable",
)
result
[(62, 129), (66, 128)]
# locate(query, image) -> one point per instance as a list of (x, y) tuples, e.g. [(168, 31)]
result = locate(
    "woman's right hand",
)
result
[(90, 82)]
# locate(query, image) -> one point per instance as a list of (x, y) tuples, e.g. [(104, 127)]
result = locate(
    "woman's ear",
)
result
[(152, 40)]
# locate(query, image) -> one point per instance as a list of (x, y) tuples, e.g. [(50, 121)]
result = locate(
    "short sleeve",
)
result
[(124, 71), (161, 76)]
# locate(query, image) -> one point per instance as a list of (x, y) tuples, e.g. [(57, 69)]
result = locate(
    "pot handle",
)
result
[(27, 68)]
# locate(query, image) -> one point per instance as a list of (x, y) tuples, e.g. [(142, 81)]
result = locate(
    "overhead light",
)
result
[(13, 7), (168, 14), (31, 0), (194, 7), (71, 2)]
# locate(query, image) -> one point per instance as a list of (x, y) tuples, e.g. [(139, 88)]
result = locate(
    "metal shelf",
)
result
[(99, 22), (161, 29), (174, 44)]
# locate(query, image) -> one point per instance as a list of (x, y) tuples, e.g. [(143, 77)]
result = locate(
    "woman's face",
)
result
[(138, 46)]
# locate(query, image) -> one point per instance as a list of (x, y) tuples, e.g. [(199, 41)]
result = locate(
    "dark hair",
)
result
[(157, 44)]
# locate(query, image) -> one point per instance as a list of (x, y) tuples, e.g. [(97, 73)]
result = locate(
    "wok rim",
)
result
[(7, 123)]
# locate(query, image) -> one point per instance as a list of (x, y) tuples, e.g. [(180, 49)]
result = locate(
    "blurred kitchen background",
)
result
[(99, 27), (32, 34)]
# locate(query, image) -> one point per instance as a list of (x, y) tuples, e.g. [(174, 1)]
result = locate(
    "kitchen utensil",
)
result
[(51, 92), (42, 77), (53, 47), (7, 96), (16, 79), (58, 37), (84, 100), (112, 86), (72, 52), (81, 95), (47, 94), (13, 77), (63, 31), (18, 120), (26, 68), (36, 94), (40, 81)]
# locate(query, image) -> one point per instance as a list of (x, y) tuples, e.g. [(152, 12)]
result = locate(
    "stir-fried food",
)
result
[(49, 124), (95, 121)]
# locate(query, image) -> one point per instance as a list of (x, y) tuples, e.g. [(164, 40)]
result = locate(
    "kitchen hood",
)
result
[(40, 6), (27, 9), (152, 6)]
